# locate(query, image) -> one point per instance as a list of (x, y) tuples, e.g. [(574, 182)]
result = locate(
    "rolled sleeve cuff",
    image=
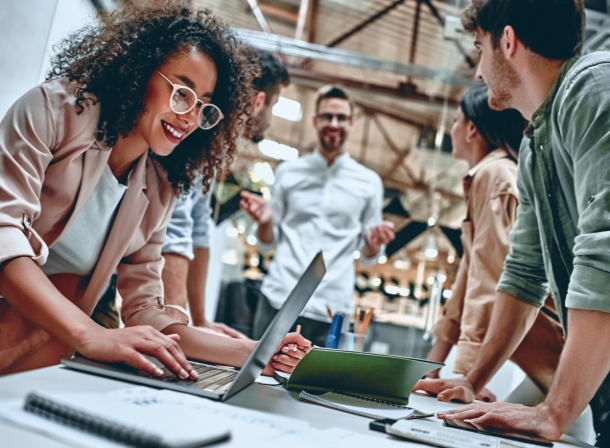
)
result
[(527, 292), (15, 244), (588, 289), (158, 316), (466, 354), (446, 330), (368, 261), (202, 241), (266, 248), (179, 246)]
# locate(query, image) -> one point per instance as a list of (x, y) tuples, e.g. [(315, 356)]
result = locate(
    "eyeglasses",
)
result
[(183, 100), (342, 119)]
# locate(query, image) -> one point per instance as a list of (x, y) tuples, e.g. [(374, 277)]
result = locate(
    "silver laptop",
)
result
[(216, 382)]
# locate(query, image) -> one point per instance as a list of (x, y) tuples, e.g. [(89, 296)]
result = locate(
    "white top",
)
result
[(320, 207), (80, 246)]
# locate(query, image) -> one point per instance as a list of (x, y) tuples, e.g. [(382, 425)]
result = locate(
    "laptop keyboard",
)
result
[(210, 378)]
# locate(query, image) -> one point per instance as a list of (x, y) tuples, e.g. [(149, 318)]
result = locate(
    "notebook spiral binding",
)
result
[(374, 400), (44, 407)]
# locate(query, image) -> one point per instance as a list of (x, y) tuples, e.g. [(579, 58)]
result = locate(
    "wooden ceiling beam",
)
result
[(406, 94)]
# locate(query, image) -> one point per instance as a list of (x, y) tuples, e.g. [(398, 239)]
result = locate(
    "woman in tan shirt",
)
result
[(489, 141), (91, 162)]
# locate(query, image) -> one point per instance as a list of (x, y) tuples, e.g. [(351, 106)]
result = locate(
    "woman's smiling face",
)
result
[(161, 127)]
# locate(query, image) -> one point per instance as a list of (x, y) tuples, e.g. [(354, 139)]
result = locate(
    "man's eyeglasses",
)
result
[(342, 119), (183, 99)]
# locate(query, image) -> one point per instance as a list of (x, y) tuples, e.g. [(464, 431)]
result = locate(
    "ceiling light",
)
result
[(430, 250)]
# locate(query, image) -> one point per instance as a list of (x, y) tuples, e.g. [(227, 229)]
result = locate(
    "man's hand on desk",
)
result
[(454, 389), (533, 420), (293, 348), (130, 344)]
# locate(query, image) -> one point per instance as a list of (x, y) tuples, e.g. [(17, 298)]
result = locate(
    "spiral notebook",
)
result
[(365, 407), (143, 424)]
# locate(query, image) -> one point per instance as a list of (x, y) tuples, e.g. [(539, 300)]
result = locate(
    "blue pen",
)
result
[(334, 334)]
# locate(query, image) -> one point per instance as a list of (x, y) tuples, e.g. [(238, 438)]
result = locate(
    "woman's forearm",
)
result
[(28, 290), (204, 346)]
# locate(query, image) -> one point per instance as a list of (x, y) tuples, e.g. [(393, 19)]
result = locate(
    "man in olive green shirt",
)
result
[(561, 239)]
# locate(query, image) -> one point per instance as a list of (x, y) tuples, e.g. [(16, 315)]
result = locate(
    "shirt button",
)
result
[(541, 148)]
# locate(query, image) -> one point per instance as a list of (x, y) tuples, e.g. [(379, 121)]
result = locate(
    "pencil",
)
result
[(329, 312), (367, 320)]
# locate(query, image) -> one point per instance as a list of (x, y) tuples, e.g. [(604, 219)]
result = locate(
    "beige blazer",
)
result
[(50, 162), (490, 190)]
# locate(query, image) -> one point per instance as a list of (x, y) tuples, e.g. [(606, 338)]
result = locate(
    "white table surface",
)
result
[(270, 399)]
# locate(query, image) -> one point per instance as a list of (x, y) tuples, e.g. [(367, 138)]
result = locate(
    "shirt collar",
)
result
[(339, 160), (545, 108)]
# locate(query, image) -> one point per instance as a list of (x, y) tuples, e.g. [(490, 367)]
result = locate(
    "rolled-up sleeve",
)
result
[(278, 207), (179, 236), (524, 275), (139, 283), (201, 220), (27, 136), (372, 215), (584, 122)]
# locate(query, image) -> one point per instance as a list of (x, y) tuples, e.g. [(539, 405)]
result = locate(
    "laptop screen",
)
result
[(280, 326)]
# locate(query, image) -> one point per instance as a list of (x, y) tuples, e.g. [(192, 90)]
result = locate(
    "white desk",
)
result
[(270, 399)]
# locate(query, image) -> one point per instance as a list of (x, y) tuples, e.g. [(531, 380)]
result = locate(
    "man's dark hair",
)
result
[(552, 29), (334, 91), (500, 129), (274, 75)]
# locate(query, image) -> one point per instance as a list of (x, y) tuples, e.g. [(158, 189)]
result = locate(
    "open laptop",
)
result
[(217, 382)]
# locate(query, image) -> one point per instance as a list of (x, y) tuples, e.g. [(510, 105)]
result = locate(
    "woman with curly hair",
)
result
[(91, 163)]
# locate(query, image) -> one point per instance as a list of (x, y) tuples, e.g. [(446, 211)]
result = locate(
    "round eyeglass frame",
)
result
[(176, 87)]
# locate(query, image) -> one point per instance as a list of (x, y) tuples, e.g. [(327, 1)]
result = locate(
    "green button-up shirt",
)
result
[(561, 239)]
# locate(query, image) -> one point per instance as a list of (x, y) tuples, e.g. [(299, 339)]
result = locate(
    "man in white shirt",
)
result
[(322, 201)]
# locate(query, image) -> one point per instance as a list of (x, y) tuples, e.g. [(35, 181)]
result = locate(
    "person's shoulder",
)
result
[(591, 71), (496, 177), (291, 166), (589, 60), (365, 172), (72, 120)]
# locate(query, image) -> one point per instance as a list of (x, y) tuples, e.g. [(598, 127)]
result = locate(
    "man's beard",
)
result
[(332, 148), (258, 129), (503, 81)]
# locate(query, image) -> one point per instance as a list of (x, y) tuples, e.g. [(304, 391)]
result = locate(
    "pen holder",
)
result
[(334, 334), (353, 342)]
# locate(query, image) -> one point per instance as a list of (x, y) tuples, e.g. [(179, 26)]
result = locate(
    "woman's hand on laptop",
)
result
[(130, 344), (293, 348)]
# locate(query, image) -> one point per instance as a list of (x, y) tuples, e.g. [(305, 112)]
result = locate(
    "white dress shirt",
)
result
[(320, 207)]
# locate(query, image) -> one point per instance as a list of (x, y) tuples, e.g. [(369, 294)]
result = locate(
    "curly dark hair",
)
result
[(114, 59)]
